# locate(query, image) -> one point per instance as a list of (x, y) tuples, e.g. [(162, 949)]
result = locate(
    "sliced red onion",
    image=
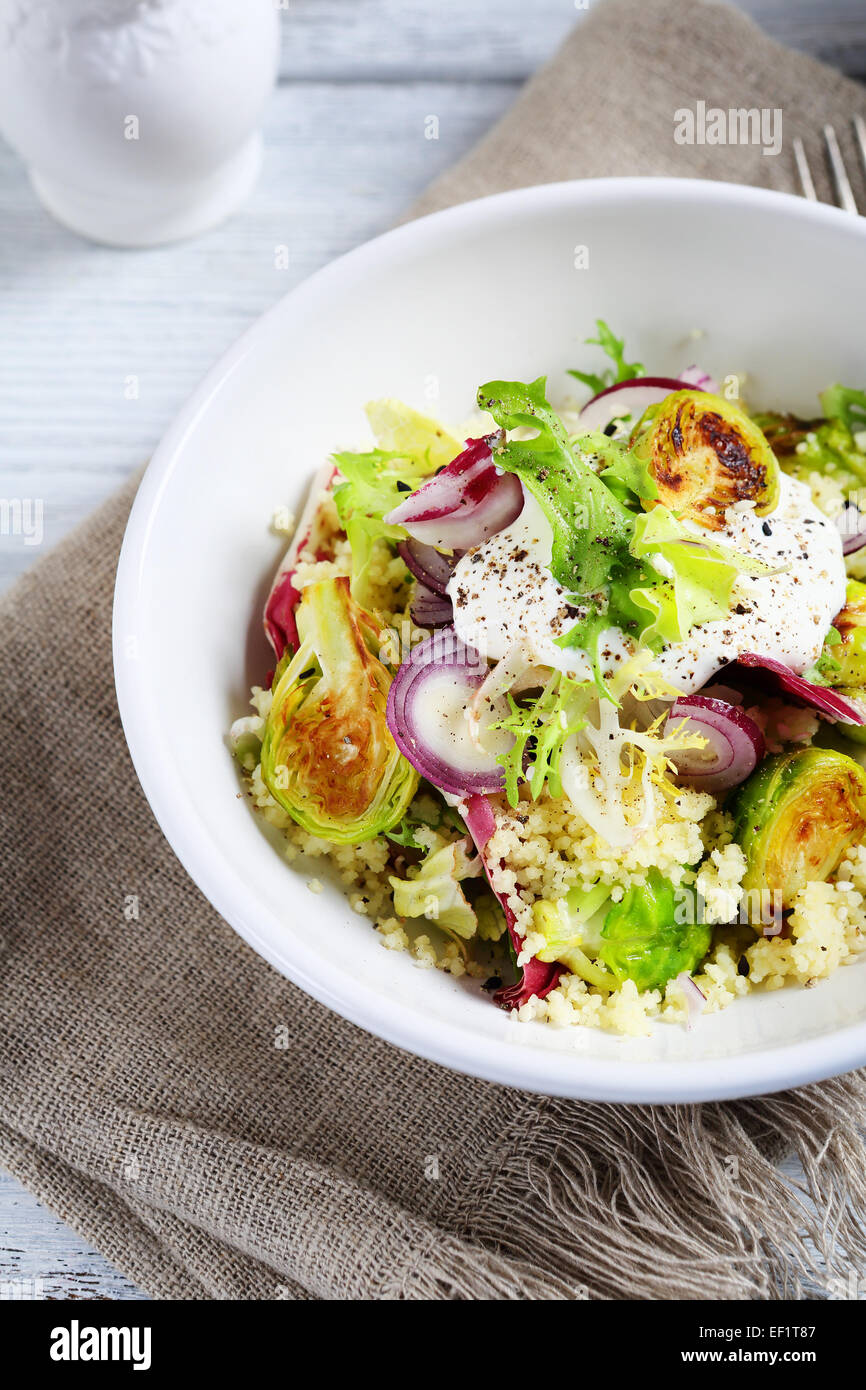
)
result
[(429, 609), (538, 977), (723, 692), (735, 744), (695, 997), (851, 525), (628, 398), (468, 501), (279, 614), (699, 380), (429, 565), (818, 697), (441, 671)]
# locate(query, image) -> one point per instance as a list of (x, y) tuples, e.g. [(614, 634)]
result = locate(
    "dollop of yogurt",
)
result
[(504, 595)]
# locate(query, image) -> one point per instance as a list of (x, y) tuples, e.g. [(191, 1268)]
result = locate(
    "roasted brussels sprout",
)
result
[(643, 940), (795, 818), (328, 757), (705, 454), (849, 653), (842, 663)]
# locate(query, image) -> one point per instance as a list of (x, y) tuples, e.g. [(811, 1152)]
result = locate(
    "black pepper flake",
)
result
[(767, 529)]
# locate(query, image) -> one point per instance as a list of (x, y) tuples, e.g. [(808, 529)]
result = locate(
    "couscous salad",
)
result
[(574, 705)]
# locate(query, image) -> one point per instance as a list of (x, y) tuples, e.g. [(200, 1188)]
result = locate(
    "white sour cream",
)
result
[(504, 594)]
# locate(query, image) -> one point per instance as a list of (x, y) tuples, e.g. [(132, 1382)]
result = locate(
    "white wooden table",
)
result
[(99, 348)]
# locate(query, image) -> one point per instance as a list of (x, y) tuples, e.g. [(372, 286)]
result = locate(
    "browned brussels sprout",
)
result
[(328, 757), (796, 817), (705, 454)]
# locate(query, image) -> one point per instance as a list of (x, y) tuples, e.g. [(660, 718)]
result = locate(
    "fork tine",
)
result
[(803, 170), (860, 132), (844, 195)]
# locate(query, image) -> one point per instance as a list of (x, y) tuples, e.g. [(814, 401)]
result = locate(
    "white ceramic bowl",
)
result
[(489, 289)]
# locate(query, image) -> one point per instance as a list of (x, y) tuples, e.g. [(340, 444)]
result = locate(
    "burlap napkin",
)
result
[(143, 1095)]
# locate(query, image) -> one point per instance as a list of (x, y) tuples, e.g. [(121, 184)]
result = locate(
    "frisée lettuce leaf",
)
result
[(410, 448), (540, 729), (614, 347), (591, 527)]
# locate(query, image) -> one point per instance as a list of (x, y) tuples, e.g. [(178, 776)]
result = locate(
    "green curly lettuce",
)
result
[(615, 349), (410, 448), (539, 732), (591, 527)]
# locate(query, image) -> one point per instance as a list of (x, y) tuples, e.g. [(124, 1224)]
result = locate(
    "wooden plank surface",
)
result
[(496, 40), (99, 348), (40, 1257)]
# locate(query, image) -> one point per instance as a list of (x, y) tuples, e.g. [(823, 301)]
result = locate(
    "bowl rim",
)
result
[(535, 1069)]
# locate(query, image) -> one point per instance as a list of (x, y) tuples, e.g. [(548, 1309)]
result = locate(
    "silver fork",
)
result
[(841, 182)]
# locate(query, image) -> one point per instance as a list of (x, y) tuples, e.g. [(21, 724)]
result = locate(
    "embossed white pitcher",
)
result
[(137, 119)]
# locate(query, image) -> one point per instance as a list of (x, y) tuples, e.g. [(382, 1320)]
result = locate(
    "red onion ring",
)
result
[(428, 564), (851, 525), (442, 652), (818, 697), (628, 398), (698, 380), (468, 501), (735, 743), (429, 609), (694, 996), (539, 977)]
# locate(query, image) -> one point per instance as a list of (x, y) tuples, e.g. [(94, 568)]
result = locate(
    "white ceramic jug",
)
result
[(137, 119)]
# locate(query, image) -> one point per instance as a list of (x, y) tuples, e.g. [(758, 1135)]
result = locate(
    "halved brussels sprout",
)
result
[(842, 664), (796, 817), (644, 938), (705, 454), (328, 757), (849, 653)]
